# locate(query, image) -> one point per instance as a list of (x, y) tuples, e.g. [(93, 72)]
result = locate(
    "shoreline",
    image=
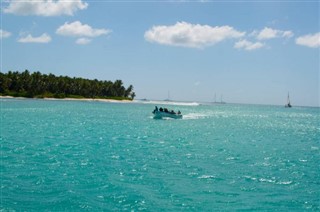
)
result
[(155, 102), (71, 99)]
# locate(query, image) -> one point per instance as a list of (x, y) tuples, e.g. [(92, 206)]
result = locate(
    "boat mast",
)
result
[(288, 101), (168, 99)]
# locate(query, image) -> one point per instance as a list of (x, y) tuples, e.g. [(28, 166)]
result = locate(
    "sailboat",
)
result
[(215, 100), (288, 102), (221, 102), (168, 99)]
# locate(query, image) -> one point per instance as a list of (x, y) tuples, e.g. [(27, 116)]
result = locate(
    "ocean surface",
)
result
[(98, 156)]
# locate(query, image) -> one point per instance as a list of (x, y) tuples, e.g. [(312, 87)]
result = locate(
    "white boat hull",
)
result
[(160, 115)]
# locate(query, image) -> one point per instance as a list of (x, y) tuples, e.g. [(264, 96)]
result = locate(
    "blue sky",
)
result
[(248, 52)]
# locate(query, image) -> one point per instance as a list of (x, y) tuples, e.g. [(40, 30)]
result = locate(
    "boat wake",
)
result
[(195, 116)]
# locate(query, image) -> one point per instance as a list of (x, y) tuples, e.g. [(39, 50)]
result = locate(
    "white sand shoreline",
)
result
[(71, 99)]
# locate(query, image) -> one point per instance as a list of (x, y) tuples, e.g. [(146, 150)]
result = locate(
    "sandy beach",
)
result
[(71, 99)]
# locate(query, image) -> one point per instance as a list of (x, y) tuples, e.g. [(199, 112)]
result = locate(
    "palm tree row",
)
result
[(26, 84)]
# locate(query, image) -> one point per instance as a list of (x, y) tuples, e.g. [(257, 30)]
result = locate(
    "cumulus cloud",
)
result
[(310, 40), (247, 45), (77, 29), (190, 35), (44, 7), (44, 38), (4, 34), (269, 33), (83, 41)]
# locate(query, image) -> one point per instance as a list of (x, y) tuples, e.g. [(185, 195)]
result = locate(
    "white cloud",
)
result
[(4, 34), (197, 83), (44, 7), (77, 29), (247, 45), (269, 33), (310, 40), (83, 41), (44, 38), (190, 35)]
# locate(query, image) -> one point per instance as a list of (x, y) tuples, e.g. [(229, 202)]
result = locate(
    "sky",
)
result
[(243, 51)]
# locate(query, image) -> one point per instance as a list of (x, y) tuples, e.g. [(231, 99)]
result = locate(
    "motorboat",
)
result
[(165, 113)]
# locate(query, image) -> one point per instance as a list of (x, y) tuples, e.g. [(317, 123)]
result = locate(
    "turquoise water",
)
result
[(77, 155)]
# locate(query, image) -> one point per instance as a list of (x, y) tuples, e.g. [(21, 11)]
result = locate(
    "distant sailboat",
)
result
[(221, 102), (215, 100), (288, 102), (168, 99)]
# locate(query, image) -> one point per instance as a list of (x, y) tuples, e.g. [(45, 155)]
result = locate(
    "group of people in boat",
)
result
[(165, 110)]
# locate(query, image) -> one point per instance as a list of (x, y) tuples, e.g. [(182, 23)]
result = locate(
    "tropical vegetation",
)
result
[(38, 85)]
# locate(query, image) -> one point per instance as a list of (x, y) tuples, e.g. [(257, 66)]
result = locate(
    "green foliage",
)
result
[(26, 84)]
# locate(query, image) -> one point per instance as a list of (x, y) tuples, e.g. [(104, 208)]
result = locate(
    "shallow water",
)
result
[(73, 155)]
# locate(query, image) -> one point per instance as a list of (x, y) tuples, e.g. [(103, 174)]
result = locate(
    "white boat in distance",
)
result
[(165, 113)]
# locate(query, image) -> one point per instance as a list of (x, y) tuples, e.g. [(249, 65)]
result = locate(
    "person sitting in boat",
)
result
[(155, 109), (166, 110), (172, 112), (161, 109), (179, 112)]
